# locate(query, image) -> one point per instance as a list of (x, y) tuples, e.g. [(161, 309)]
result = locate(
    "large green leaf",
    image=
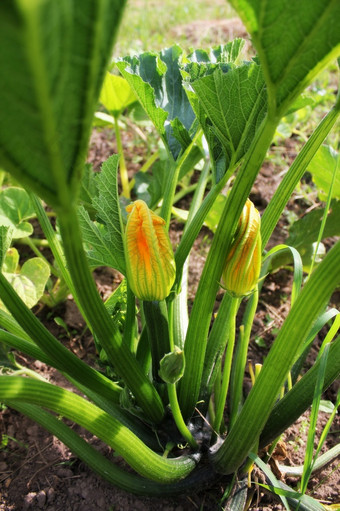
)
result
[(144, 75), (52, 57), (322, 167), (305, 231), (15, 209), (104, 236), (229, 101), (235, 103), (157, 82), (295, 40)]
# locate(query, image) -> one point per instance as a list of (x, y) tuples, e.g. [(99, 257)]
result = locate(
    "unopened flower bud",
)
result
[(243, 265), (150, 263), (172, 366)]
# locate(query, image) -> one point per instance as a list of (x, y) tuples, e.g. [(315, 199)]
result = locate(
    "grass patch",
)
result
[(153, 25)]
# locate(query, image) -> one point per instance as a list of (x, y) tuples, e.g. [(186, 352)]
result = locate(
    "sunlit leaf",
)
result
[(15, 210), (29, 281), (323, 165), (229, 101), (53, 62), (11, 260), (157, 82), (295, 40), (116, 94)]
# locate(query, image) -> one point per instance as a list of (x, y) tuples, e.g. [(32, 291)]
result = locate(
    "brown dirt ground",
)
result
[(38, 472)]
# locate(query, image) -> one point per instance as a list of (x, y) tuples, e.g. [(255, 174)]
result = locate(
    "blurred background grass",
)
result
[(151, 25)]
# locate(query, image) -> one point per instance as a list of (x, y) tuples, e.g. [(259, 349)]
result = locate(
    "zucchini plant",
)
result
[(171, 373)]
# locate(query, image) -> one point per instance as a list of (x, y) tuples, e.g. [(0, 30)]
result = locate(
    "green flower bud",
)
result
[(172, 366), (243, 265)]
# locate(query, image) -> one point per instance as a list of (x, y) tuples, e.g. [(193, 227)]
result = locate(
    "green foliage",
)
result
[(55, 76), (322, 167), (29, 280), (116, 94), (53, 69), (15, 211), (290, 63), (305, 231), (103, 236), (157, 82), (230, 103)]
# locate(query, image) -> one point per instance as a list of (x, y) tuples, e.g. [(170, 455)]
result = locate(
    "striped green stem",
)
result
[(109, 471), (241, 357), (180, 305), (196, 339), (177, 415), (193, 228), (173, 178), (217, 342), (110, 405), (220, 404), (61, 358), (99, 320), (129, 335), (260, 401), (156, 317), (296, 401), (98, 422)]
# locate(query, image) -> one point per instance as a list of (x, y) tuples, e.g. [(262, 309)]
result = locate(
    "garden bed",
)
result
[(38, 472)]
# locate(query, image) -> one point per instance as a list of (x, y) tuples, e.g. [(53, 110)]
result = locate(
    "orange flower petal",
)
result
[(149, 257)]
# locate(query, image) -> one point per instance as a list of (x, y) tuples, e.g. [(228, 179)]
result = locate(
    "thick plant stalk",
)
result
[(180, 306), (259, 403), (60, 356), (110, 405), (100, 321), (217, 341), (195, 226), (156, 317), (297, 400), (219, 407), (237, 375), (98, 422), (130, 321), (196, 339), (52, 240), (177, 415), (173, 178), (129, 482)]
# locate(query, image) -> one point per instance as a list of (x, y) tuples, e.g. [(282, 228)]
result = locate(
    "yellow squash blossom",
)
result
[(243, 265), (150, 262)]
